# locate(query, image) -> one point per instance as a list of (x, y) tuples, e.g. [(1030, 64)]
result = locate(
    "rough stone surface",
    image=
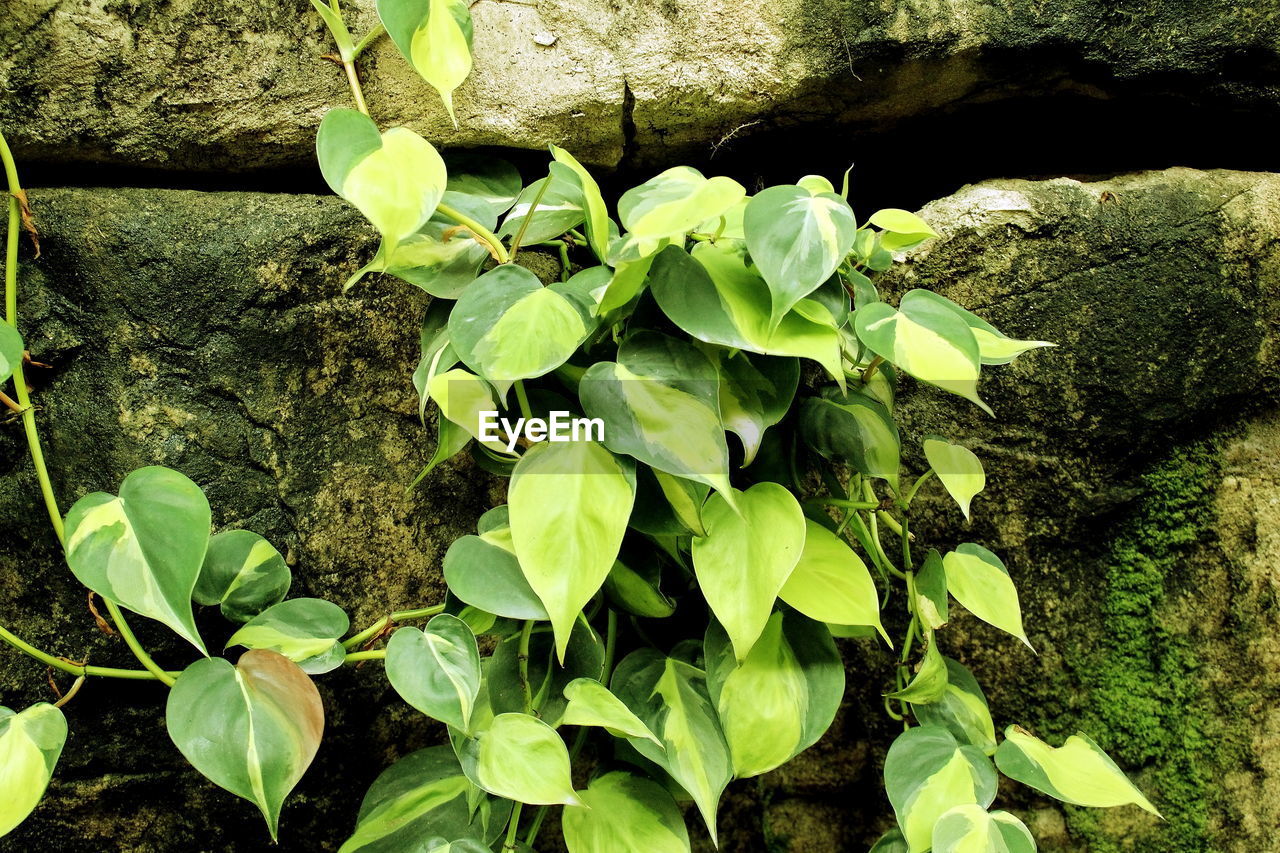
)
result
[(233, 86), (1133, 493)]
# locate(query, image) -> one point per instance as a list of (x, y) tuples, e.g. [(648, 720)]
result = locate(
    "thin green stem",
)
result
[(357, 640), (372, 654), (484, 235), (11, 317), (378, 29), (353, 80), (513, 828), (131, 641), (610, 644), (518, 241), (841, 502), (915, 487), (531, 835), (526, 634), (522, 396), (74, 668)]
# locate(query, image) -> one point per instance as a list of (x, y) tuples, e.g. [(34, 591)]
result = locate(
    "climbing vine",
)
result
[(664, 596)]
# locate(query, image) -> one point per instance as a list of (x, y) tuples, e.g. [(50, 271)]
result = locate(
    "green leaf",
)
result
[(143, 549), (796, 238), (926, 774), (994, 347), (962, 710), (435, 37), (484, 178), (900, 222), (395, 179), (584, 658), (562, 207), (637, 590), (591, 704), (926, 340), (422, 795), (830, 582), (305, 630), (673, 203), (30, 743), (1078, 772), (623, 812), (437, 259), (569, 502), (462, 398), (483, 571), (755, 393), (627, 281), (597, 213), (958, 468), (816, 184), (11, 350), (970, 828), (521, 758), (929, 684), (242, 574), (670, 697), (716, 297), (747, 556), (437, 352), (978, 579), (437, 669), (507, 326), (252, 728), (660, 404), (782, 698), (891, 842), (856, 431), (931, 591)]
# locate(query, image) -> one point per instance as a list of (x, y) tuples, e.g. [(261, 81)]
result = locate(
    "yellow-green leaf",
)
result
[(958, 468), (830, 582), (435, 37), (30, 744), (622, 813), (978, 579), (591, 704), (1077, 772)]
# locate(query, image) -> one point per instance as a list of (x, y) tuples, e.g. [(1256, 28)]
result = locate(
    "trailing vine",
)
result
[(666, 595)]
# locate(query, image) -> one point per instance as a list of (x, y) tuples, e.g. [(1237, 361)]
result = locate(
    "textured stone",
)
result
[(186, 85), (1132, 494)]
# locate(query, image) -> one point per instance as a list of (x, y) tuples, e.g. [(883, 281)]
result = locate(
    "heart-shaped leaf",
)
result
[(484, 178), (622, 811), (929, 683), (11, 349), (569, 504), (437, 669), (243, 574), (483, 571), (755, 393), (994, 347), (854, 430), (144, 548), (547, 678), (435, 37), (746, 557), (673, 203), (926, 340), (597, 212), (958, 468), (830, 582), (670, 697), (716, 297), (962, 710), (978, 579), (305, 630), (797, 238), (521, 758), (252, 728), (970, 827), (1077, 772), (782, 698), (561, 206), (395, 179), (926, 774), (591, 704), (659, 403), (30, 743), (507, 326), (422, 795)]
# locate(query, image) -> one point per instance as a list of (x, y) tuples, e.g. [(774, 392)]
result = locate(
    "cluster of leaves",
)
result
[(671, 595)]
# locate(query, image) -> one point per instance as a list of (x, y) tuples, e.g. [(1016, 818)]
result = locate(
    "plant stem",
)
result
[(905, 503), (357, 91), (526, 633), (372, 654), (528, 217), (610, 644), (134, 646), (523, 397), (842, 503), (11, 317), (513, 827), (378, 29), (484, 235), (378, 627), (73, 668)]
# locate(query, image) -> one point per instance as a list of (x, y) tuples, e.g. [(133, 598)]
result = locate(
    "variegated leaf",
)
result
[(435, 37), (305, 630), (978, 579), (243, 574), (591, 704), (30, 743), (962, 710), (830, 582), (624, 812), (926, 774), (1077, 772), (521, 758), (436, 669), (958, 468)]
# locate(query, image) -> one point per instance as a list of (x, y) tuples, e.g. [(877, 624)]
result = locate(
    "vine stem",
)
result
[(11, 317), (70, 668), (526, 634), (132, 642), (381, 625)]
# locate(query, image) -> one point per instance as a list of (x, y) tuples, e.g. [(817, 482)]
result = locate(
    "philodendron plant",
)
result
[(659, 603)]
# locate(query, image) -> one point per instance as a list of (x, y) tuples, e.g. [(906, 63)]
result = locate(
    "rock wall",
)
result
[(1133, 481)]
